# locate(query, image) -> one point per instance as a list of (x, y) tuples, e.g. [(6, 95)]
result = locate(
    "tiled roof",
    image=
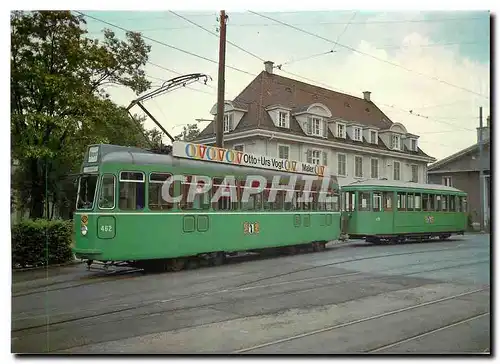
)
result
[(270, 89)]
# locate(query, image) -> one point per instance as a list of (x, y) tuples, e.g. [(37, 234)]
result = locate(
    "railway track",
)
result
[(238, 288)]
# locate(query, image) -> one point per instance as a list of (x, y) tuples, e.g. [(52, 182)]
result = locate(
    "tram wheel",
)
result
[(175, 265), (192, 264), (218, 259)]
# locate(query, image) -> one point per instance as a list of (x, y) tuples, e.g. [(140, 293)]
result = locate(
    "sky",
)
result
[(436, 64)]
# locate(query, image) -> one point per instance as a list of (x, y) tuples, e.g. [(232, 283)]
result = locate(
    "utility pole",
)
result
[(219, 130), (481, 173)]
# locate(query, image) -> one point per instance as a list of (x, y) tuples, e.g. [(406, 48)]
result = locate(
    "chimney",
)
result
[(366, 95), (269, 66)]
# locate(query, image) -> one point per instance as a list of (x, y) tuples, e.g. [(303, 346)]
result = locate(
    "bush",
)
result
[(30, 239)]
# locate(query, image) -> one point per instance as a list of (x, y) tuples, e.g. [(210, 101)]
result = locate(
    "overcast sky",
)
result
[(453, 47)]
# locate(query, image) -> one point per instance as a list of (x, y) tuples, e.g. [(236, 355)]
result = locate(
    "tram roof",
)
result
[(401, 185), (131, 155)]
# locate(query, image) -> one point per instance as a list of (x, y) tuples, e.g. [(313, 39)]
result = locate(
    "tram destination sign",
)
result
[(228, 156)]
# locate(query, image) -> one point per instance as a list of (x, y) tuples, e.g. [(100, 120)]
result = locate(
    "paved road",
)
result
[(419, 298)]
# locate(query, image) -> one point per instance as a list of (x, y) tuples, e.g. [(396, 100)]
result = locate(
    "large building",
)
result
[(461, 170), (281, 117)]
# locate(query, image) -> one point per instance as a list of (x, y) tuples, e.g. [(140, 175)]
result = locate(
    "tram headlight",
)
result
[(84, 230)]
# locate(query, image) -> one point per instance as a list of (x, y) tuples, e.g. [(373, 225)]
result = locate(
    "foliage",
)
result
[(189, 133), (59, 103), (30, 239)]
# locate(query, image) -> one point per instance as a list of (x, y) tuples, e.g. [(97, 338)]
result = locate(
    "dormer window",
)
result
[(373, 137), (228, 122), (340, 130), (283, 119), (357, 134), (396, 142), (317, 123), (413, 145)]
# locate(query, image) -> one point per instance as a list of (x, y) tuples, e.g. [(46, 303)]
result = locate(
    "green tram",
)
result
[(122, 218), (381, 210)]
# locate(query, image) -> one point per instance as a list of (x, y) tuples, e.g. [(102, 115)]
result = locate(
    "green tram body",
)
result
[(396, 211), (117, 231)]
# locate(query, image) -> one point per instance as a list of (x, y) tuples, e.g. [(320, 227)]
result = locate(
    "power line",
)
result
[(345, 28), (303, 59), (165, 44), (371, 56), (217, 35)]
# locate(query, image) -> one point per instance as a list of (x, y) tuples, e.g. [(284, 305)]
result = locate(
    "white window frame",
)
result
[(370, 136), (285, 122), (371, 168), (337, 133), (227, 117), (413, 148), (445, 178), (394, 170), (355, 158), (278, 150), (416, 177), (358, 138), (396, 146), (345, 164), (318, 158), (319, 120), (239, 145)]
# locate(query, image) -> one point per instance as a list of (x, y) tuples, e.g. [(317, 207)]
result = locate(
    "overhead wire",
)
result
[(370, 55)]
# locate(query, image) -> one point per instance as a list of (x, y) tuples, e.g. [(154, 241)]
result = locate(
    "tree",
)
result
[(189, 133), (58, 100)]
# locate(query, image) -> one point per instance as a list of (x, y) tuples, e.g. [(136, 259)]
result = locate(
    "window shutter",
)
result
[(309, 156), (325, 158), (309, 126), (325, 129)]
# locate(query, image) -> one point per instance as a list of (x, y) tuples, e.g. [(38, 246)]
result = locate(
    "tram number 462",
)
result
[(106, 228), (251, 228)]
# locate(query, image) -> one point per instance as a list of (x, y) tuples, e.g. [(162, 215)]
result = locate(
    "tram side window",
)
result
[(463, 204), (388, 197), (401, 201), (290, 202), (377, 201), (350, 201), (418, 200), (254, 201), (132, 191), (432, 202), (193, 197), (445, 198), (224, 202), (107, 196), (364, 201), (156, 200), (438, 203), (453, 203), (410, 201), (334, 202)]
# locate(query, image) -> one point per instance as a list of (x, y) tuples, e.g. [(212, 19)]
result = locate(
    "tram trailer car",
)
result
[(121, 216), (381, 210)]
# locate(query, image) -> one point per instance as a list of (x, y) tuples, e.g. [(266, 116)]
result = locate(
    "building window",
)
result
[(340, 131), (414, 173), (341, 166), (316, 126), (283, 119), (397, 171), (396, 142), (374, 168), (358, 166), (357, 134), (239, 147), (373, 137), (316, 157), (228, 123), (413, 145), (283, 151), (447, 181)]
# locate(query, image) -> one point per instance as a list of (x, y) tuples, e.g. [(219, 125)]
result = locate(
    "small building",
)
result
[(461, 170), (281, 117)]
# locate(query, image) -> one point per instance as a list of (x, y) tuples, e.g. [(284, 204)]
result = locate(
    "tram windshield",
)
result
[(86, 192)]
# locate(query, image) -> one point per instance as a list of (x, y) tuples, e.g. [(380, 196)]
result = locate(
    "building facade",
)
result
[(281, 117), (462, 170)]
